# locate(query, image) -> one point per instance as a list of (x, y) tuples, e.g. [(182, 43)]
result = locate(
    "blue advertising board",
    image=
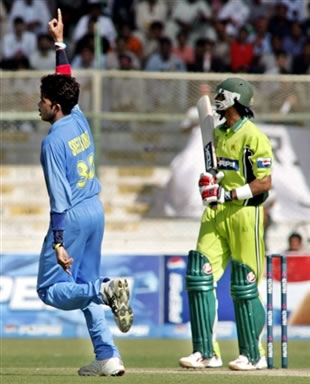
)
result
[(158, 298)]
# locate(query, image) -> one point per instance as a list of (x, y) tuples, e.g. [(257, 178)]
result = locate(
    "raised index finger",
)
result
[(59, 15)]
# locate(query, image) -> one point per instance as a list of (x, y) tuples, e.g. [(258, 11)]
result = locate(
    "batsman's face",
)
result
[(47, 110)]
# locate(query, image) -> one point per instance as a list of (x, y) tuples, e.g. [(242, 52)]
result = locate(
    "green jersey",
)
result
[(243, 153)]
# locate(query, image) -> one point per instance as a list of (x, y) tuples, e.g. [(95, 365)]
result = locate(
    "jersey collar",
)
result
[(238, 124), (59, 123)]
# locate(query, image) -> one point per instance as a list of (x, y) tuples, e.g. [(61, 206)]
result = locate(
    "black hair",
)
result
[(61, 89), (165, 40), (18, 20), (295, 234), (244, 111)]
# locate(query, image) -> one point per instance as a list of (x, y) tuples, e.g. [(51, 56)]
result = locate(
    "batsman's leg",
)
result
[(202, 306), (250, 318)]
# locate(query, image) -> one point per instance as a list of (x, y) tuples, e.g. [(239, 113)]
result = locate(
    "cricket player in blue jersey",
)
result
[(69, 265)]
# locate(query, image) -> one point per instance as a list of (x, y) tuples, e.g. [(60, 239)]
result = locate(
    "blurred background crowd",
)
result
[(249, 36)]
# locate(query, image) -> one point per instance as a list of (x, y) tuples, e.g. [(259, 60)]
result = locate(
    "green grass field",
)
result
[(147, 361)]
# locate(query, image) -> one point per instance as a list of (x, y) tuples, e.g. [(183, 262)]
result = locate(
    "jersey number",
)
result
[(86, 171)]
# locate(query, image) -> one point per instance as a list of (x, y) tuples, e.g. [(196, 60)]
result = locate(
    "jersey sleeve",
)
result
[(262, 157), (54, 167), (62, 63)]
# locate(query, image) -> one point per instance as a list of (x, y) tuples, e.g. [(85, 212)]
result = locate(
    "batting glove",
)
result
[(206, 182), (215, 194)]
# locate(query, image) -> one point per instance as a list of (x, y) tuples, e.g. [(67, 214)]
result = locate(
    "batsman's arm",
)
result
[(254, 188)]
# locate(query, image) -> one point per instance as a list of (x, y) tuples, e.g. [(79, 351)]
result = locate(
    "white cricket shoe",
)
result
[(116, 294), (242, 363), (108, 367), (195, 360)]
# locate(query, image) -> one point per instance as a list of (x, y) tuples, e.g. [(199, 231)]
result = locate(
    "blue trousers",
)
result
[(84, 227)]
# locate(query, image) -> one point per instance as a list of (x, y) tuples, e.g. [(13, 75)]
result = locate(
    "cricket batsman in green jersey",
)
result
[(231, 228)]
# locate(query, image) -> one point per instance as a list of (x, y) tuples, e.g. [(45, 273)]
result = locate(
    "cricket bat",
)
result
[(206, 121)]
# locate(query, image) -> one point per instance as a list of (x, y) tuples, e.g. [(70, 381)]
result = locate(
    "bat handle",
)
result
[(213, 172)]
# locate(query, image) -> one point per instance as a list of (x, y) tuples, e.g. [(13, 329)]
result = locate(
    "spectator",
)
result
[(123, 12), (151, 41), (3, 24), (294, 42), (279, 24), (281, 66), (235, 13), (148, 11), (165, 60), (133, 43), (85, 59), (113, 58), (105, 25), (306, 23), (261, 41), (295, 242), (295, 9), (182, 49), (192, 16), (261, 38), (204, 58), (301, 63), (268, 60), (20, 42), (35, 14), (222, 45), (43, 58), (241, 52), (258, 9)]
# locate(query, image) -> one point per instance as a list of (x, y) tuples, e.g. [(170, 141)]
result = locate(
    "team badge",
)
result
[(207, 268), (251, 277)]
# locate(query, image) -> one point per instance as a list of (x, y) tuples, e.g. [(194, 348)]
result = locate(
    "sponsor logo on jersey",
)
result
[(207, 268), (251, 277), (264, 162), (227, 164)]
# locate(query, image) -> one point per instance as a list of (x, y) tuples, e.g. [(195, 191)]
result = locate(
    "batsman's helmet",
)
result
[(231, 90)]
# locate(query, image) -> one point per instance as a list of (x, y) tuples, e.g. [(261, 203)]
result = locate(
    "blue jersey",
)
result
[(68, 161)]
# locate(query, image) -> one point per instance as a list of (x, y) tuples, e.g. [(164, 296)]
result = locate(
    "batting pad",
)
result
[(249, 311), (202, 302)]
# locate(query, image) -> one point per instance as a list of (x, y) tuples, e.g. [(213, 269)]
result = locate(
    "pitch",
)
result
[(147, 361)]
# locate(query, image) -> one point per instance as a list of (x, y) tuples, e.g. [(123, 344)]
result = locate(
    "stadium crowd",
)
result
[(249, 36)]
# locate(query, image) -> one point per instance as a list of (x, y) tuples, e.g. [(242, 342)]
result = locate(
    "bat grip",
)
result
[(213, 172)]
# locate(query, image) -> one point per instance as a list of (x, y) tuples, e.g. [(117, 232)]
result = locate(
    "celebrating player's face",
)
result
[(46, 109)]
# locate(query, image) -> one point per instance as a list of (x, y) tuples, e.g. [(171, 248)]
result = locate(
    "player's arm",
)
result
[(254, 188), (60, 196), (261, 161), (56, 28)]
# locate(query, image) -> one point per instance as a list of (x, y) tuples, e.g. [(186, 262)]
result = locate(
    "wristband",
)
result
[(244, 192), (58, 245), (60, 44)]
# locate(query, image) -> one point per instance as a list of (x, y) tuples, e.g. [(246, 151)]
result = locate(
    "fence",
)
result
[(135, 117)]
